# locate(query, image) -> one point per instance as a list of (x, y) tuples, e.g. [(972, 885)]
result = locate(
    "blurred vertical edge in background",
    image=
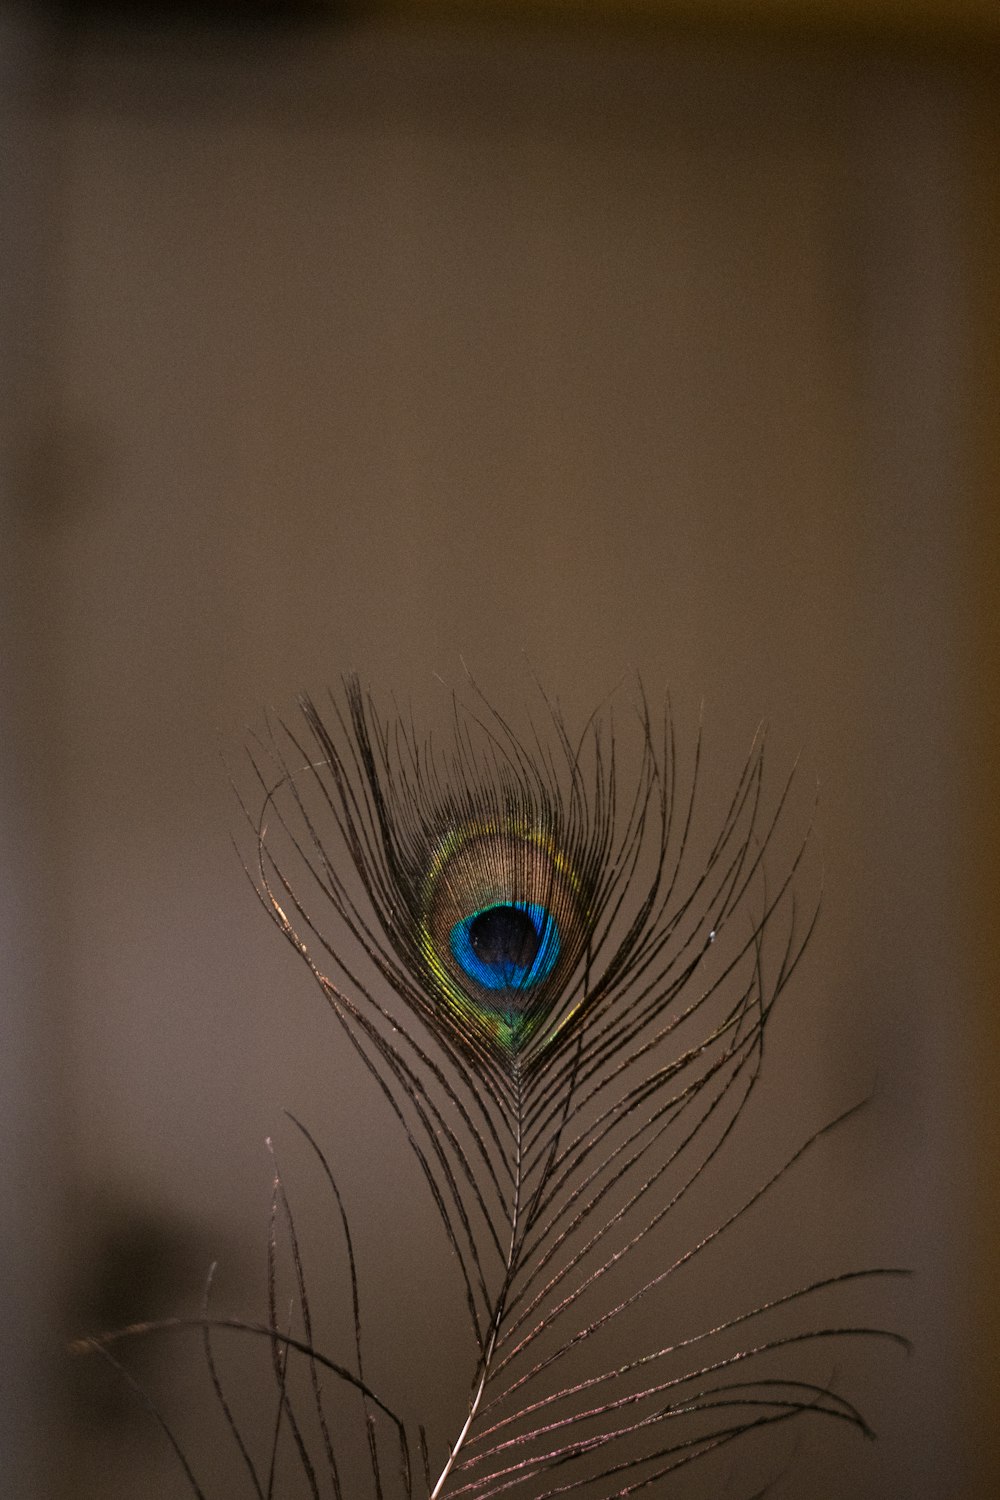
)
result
[(32, 1079), (983, 806)]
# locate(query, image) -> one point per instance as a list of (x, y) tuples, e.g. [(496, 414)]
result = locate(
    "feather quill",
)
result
[(560, 989)]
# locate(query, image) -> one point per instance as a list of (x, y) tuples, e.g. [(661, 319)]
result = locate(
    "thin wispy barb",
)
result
[(556, 967)]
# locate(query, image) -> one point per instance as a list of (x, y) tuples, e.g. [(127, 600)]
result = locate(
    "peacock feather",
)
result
[(557, 972)]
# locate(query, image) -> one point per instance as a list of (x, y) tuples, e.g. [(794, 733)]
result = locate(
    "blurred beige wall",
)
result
[(391, 347)]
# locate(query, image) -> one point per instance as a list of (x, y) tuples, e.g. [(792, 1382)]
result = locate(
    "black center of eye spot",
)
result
[(504, 935)]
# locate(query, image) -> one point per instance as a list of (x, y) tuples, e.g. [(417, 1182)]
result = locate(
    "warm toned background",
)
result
[(585, 333)]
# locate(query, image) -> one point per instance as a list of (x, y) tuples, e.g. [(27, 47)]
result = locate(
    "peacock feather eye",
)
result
[(503, 925)]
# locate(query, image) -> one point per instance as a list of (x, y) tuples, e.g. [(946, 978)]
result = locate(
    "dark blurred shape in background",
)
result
[(240, 15)]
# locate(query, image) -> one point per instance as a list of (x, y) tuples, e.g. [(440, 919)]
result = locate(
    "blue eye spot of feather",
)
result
[(509, 946)]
